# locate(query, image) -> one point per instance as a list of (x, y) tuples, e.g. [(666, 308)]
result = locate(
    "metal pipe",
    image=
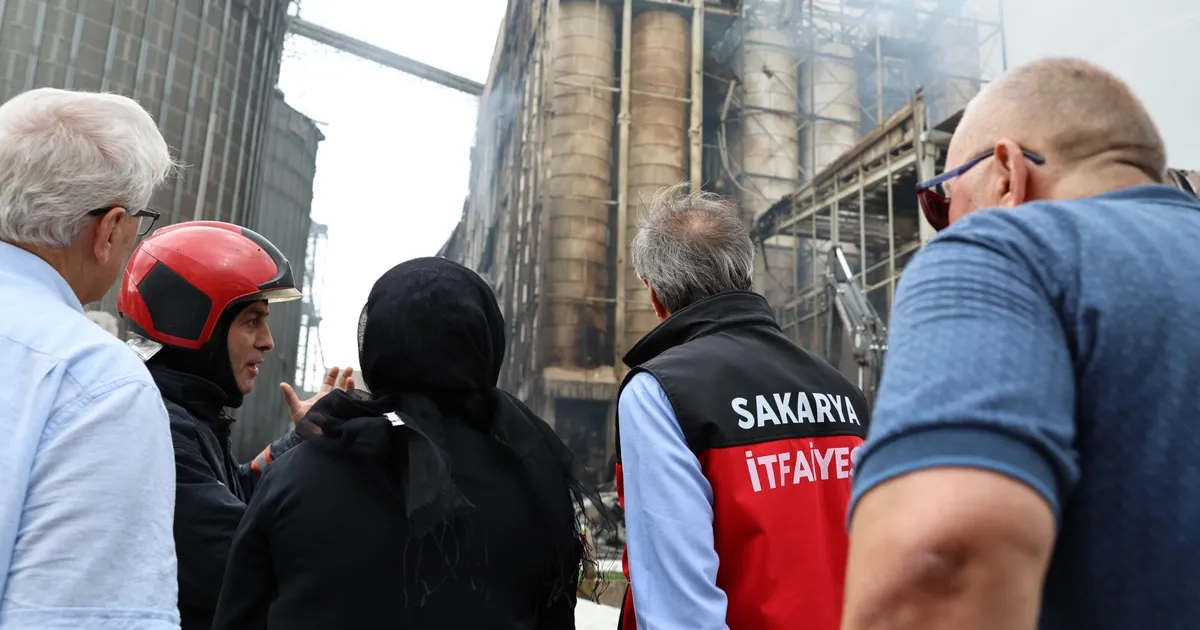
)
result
[(862, 225), (38, 28), (926, 160), (263, 106), (382, 56), (76, 40), (623, 179), (878, 80), (238, 199), (1003, 39), (233, 101), (111, 53), (696, 125), (172, 59), (210, 134), (143, 48), (891, 220), (189, 117)]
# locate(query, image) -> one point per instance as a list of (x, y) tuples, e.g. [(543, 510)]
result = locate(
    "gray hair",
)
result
[(692, 245), (64, 153)]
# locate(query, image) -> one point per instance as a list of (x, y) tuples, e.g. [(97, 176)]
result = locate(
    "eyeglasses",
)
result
[(146, 216), (932, 197)]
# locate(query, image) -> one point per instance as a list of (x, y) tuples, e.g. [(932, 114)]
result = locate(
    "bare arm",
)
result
[(948, 548), (971, 453)]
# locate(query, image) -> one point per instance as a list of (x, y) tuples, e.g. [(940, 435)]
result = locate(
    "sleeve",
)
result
[(668, 516), (252, 471), (206, 517), (249, 582), (979, 369), (95, 546)]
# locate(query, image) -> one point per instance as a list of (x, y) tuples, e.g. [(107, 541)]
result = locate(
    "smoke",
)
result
[(1150, 44)]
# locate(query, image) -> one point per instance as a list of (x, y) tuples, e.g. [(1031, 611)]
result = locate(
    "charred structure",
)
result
[(811, 113)]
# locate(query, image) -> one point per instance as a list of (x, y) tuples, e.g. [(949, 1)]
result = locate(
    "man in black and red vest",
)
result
[(736, 445)]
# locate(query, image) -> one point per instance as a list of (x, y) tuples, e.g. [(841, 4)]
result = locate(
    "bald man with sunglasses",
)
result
[(1033, 458)]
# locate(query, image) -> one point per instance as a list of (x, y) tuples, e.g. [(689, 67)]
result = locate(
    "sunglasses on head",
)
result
[(932, 197)]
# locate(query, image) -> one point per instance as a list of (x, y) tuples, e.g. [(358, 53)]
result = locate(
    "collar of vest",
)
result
[(732, 309)]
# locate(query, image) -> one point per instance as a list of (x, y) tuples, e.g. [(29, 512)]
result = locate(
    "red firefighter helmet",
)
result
[(182, 277)]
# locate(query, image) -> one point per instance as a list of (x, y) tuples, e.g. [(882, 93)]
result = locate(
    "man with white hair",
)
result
[(87, 477), (735, 443)]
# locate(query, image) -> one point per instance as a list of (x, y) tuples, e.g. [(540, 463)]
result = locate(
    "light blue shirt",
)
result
[(668, 516), (87, 471)]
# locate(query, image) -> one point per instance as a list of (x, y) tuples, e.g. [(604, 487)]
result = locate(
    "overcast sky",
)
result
[(392, 173)]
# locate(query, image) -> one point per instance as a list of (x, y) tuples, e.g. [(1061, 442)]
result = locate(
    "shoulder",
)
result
[(183, 426), (1037, 246), (1031, 231), (304, 470), (59, 352), (641, 388), (99, 362)]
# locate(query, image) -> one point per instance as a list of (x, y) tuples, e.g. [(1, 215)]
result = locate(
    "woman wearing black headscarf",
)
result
[(438, 501)]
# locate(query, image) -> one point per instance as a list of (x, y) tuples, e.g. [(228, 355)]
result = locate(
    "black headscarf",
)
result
[(431, 342)]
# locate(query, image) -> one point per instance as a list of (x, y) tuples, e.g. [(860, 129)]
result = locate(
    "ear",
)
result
[(104, 234), (1012, 174), (659, 309)]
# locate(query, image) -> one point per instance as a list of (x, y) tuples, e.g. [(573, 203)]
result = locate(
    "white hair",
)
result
[(690, 246), (64, 154)]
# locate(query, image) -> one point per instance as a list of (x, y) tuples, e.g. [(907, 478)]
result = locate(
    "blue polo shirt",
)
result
[(1059, 344)]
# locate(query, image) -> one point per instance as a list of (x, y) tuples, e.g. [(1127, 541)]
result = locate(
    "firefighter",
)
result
[(196, 299), (736, 444)]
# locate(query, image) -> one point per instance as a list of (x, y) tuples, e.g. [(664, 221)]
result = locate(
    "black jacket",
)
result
[(439, 501), (211, 489), (326, 544)]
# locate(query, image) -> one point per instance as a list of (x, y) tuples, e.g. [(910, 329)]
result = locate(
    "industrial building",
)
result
[(206, 71), (817, 116)]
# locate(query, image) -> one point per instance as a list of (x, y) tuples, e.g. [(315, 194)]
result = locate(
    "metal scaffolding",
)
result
[(873, 77), (310, 359)]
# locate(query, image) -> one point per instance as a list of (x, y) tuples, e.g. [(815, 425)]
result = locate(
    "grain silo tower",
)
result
[(205, 69)]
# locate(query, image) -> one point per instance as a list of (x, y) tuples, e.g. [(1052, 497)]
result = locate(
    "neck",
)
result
[(62, 262), (1097, 180)]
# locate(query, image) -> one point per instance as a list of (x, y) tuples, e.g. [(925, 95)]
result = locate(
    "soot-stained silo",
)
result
[(205, 69)]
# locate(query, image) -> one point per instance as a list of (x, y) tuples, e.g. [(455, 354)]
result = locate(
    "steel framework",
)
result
[(909, 95), (310, 359)]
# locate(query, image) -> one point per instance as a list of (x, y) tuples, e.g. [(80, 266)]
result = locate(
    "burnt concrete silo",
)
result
[(203, 68), (580, 185), (282, 216), (660, 76)]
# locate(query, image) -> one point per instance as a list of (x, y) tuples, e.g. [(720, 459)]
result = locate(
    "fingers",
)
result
[(345, 382), (350, 384), (330, 379), (289, 396)]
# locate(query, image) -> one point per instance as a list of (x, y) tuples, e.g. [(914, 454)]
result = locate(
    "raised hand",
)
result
[(337, 378)]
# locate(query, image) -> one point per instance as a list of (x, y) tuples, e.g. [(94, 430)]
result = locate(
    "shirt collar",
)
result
[(1154, 192), (27, 268)]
